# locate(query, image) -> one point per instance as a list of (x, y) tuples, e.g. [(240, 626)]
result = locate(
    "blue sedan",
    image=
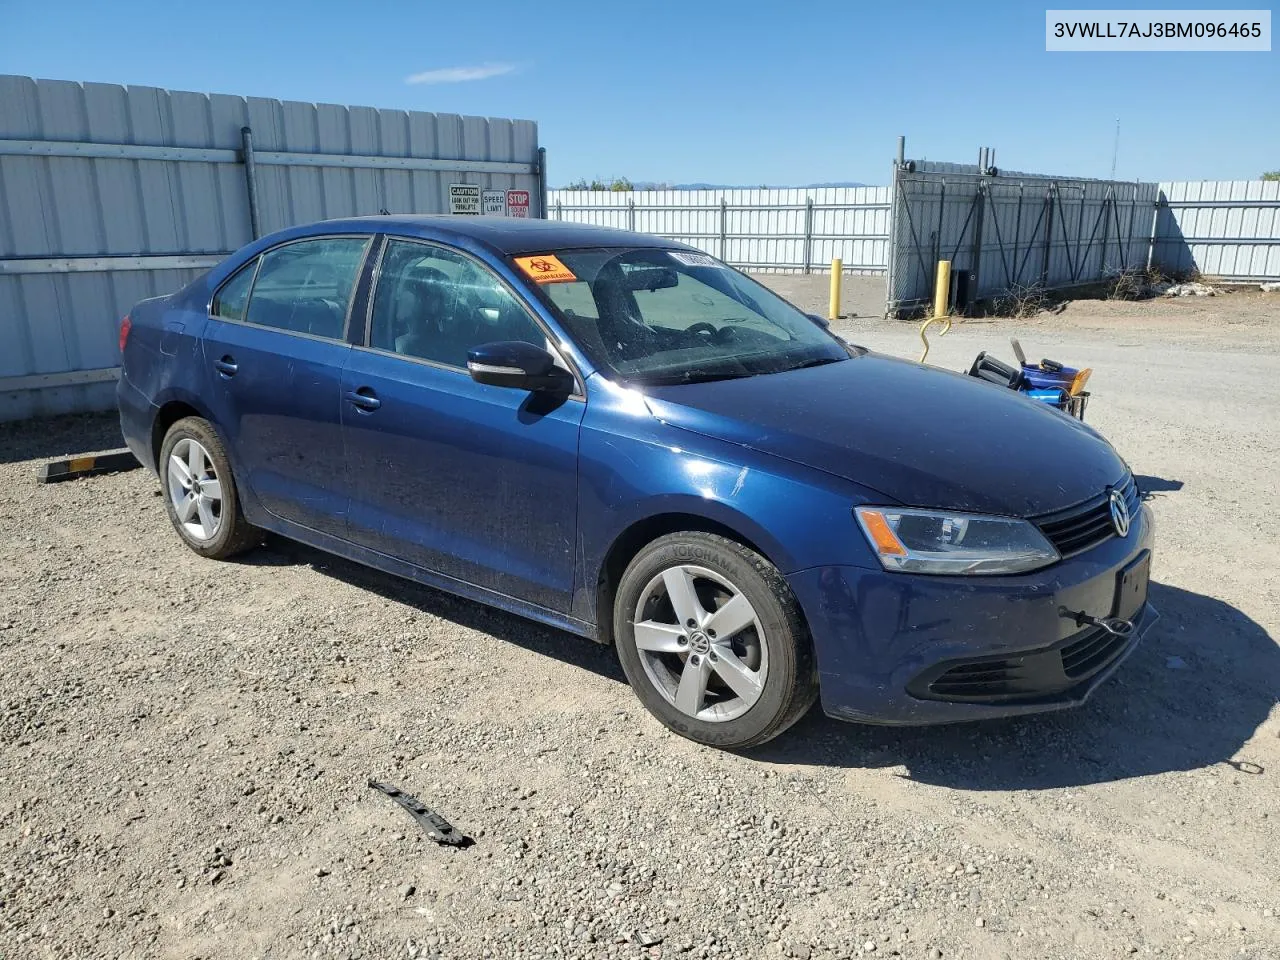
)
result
[(623, 437)]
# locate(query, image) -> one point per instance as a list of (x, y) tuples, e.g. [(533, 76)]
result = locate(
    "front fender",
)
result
[(633, 468)]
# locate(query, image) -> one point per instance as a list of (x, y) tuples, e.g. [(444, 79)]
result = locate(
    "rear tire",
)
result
[(200, 491), (712, 640)]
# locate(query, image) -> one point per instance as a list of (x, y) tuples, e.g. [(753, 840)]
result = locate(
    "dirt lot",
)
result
[(185, 744)]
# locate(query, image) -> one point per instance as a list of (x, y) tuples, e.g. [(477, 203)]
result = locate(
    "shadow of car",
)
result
[(1191, 695)]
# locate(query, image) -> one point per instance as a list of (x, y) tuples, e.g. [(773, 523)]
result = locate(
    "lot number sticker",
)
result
[(545, 268), (464, 198), (495, 203), (518, 203), (694, 259)]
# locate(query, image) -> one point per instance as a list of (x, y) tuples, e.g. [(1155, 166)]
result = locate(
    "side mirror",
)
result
[(514, 363), (821, 321)]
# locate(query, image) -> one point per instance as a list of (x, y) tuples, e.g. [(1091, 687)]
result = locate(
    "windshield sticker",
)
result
[(695, 259), (545, 268)]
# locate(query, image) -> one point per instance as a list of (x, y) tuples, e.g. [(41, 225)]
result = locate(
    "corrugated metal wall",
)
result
[(774, 230), (88, 228), (1012, 231), (1228, 229)]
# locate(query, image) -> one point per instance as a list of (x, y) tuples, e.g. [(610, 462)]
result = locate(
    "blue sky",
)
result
[(743, 93)]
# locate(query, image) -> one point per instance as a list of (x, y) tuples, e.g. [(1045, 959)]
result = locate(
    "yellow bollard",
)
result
[(941, 307), (833, 305), (942, 290)]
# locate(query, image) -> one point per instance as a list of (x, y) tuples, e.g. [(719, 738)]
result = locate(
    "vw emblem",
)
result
[(699, 642), (1119, 513)]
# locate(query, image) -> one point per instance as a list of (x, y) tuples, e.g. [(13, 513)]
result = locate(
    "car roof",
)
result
[(505, 235)]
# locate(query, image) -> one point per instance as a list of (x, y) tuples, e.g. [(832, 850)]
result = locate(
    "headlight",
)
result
[(934, 541)]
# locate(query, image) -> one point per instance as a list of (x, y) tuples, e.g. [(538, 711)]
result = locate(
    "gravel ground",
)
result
[(186, 744)]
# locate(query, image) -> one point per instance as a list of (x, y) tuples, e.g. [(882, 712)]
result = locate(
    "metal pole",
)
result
[(724, 227), (1161, 200), (542, 182), (559, 209), (808, 232), (1017, 239), (631, 214), (1106, 228), (902, 150), (937, 233), (250, 181), (976, 258), (895, 198), (1048, 233)]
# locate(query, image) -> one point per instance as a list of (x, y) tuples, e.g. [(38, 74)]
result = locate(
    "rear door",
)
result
[(274, 350), (475, 482)]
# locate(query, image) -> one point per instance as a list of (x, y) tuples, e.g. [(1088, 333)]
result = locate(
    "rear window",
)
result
[(306, 286)]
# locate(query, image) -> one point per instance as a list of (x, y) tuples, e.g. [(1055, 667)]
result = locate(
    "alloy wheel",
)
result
[(194, 489), (701, 643)]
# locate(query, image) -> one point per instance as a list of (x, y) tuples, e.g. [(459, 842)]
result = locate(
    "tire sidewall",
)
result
[(200, 431), (718, 555)]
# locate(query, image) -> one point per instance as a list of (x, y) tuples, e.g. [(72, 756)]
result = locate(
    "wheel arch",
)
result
[(635, 537), (172, 407)]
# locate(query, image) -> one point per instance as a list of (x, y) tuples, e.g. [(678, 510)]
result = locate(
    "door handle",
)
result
[(364, 399), (227, 366)]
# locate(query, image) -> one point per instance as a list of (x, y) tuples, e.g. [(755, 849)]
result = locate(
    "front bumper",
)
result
[(898, 648)]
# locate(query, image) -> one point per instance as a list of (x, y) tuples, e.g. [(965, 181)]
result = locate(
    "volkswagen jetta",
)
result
[(622, 436)]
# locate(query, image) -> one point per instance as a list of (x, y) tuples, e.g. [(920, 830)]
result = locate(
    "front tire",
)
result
[(712, 640), (200, 492)]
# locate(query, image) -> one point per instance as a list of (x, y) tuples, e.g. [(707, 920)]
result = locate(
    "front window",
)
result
[(653, 316), (434, 304)]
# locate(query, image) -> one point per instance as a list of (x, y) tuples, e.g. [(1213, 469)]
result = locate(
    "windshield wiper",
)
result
[(693, 376), (816, 362)]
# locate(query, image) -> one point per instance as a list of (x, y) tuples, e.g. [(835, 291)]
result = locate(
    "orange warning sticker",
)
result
[(545, 268)]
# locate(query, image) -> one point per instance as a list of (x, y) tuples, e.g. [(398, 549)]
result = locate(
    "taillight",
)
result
[(125, 326)]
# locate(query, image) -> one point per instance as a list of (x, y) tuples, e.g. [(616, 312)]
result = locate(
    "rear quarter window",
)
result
[(232, 298)]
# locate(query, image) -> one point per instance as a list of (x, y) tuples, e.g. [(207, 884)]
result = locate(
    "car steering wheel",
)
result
[(702, 326)]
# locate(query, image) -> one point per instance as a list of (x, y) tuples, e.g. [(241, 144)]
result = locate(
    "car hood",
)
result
[(917, 434)]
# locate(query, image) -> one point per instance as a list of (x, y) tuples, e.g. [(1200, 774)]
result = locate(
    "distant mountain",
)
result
[(654, 185)]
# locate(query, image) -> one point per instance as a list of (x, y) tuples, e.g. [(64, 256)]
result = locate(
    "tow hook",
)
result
[(1116, 626)]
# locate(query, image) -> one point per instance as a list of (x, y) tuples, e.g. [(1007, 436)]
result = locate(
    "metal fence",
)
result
[(110, 194), (1008, 232), (1228, 229), (767, 230)]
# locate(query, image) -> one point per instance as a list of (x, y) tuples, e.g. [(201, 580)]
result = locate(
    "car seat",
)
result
[(620, 324), (417, 312)]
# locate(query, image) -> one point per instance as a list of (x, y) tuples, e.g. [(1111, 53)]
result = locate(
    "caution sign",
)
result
[(495, 203), (464, 198), (545, 268), (518, 203)]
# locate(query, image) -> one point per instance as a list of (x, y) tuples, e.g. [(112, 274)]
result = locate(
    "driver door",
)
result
[(471, 481)]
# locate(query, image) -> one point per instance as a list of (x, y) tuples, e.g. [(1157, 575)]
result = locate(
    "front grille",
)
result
[(979, 680), (1087, 524), (1090, 653), (1035, 675)]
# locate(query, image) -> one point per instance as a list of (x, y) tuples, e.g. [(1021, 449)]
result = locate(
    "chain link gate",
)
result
[(1010, 234)]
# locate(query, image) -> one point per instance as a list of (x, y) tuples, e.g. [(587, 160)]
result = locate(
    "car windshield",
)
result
[(653, 316)]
